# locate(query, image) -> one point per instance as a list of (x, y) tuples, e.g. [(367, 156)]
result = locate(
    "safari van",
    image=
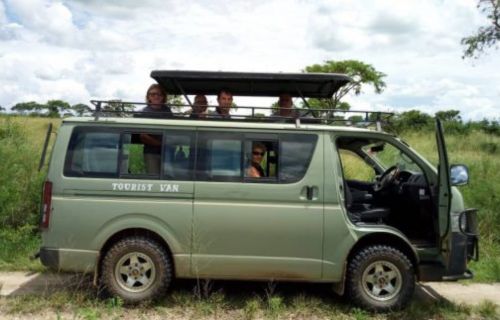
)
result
[(340, 204)]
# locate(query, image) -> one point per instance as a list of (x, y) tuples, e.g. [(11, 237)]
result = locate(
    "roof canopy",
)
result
[(311, 85)]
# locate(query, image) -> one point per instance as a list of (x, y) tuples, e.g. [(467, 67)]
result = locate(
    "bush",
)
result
[(19, 179), (16, 247), (410, 120)]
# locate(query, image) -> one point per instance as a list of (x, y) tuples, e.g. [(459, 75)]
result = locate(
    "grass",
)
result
[(231, 300), (16, 248)]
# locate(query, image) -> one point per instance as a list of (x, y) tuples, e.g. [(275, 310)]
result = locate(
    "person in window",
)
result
[(225, 101), (254, 169), (156, 97), (200, 106)]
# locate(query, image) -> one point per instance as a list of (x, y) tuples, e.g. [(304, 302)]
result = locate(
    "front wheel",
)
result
[(136, 269), (380, 278)]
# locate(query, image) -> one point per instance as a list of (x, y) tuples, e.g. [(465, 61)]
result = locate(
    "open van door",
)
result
[(457, 230), (444, 189)]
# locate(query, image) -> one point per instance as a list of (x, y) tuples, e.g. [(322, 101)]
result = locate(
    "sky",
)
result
[(96, 49)]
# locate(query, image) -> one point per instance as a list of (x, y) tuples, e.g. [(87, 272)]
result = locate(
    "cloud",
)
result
[(3, 15), (84, 49), (52, 21), (431, 96)]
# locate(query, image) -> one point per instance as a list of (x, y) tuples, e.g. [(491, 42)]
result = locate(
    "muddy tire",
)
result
[(380, 278), (136, 269)]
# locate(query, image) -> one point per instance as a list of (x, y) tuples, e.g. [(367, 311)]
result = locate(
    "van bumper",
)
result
[(69, 259)]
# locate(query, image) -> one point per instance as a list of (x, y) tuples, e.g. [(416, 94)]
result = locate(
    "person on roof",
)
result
[(225, 101), (285, 112), (200, 106), (156, 99), (285, 106)]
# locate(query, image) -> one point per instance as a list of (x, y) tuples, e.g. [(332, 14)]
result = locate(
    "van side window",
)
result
[(169, 155), (141, 154), (295, 155), (92, 153), (219, 157), (178, 155), (252, 157)]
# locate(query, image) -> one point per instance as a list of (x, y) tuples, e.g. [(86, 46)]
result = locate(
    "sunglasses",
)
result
[(155, 94), (257, 153)]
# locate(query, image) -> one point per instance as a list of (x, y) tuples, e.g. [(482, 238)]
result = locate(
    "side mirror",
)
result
[(459, 175)]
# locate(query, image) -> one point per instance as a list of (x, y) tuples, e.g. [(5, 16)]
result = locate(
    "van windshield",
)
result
[(387, 155)]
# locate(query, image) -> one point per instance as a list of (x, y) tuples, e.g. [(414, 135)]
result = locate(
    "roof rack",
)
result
[(364, 118), (303, 85)]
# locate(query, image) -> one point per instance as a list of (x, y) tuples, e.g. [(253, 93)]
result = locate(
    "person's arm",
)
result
[(150, 140), (252, 172)]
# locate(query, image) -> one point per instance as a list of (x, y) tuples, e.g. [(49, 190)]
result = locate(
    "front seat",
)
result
[(364, 212)]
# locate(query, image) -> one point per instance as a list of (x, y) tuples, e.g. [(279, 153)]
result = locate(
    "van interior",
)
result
[(383, 185)]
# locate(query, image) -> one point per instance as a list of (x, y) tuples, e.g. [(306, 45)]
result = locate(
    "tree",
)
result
[(449, 115), (56, 107), (412, 119), (27, 107), (53, 108), (81, 109), (116, 108), (362, 75), (485, 36)]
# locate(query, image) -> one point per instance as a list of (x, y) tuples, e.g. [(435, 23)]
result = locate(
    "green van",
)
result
[(350, 206)]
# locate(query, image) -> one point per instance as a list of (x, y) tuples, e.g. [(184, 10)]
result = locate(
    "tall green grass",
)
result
[(21, 142), (19, 178)]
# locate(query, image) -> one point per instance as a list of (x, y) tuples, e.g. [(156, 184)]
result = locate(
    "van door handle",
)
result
[(309, 192)]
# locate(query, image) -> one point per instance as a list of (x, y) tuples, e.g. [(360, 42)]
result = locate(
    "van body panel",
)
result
[(338, 236), (104, 217), (273, 229), (69, 259)]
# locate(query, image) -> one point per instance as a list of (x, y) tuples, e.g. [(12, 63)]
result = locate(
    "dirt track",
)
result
[(21, 283)]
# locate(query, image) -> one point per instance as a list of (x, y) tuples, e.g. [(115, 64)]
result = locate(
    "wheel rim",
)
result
[(135, 272), (382, 280)]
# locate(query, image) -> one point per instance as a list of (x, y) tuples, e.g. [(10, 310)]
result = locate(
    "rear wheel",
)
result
[(380, 278), (136, 269)]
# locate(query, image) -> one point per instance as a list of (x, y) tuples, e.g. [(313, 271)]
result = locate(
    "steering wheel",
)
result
[(387, 178)]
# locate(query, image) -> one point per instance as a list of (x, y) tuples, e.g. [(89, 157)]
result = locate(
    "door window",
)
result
[(252, 157), (296, 153)]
